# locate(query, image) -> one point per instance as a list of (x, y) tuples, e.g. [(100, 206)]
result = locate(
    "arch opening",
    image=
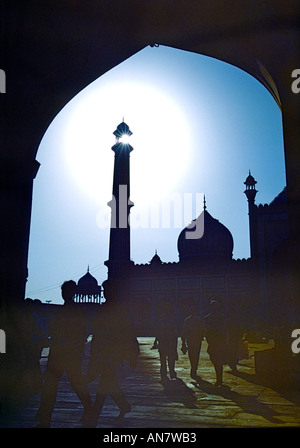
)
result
[(220, 124)]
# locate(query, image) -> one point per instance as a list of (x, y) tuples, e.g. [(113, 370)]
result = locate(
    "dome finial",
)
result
[(156, 259), (204, 203)]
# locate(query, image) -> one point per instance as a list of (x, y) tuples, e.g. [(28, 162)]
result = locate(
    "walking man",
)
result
[(216, 336), (67, 341), (113, 342), (167, 336), (192, 337)]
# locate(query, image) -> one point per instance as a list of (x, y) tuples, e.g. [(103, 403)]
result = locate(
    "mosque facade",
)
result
[(249, 289)]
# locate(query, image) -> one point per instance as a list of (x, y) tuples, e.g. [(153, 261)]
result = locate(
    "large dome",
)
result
[(215, 243)]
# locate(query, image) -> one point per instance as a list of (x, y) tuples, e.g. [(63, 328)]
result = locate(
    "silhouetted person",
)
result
[(216, 336), (192, 337), (67, 342), (32, 340), (234, 338), (35, 338), (113, 342), (167, 335)]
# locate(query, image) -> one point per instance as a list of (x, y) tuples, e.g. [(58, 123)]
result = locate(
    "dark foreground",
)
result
[(243, 402)]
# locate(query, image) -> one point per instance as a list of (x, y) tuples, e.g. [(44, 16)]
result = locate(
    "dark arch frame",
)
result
[(54, 51)]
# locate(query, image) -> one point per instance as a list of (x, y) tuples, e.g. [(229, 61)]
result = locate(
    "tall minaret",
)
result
[(250, 192), (119, 246)]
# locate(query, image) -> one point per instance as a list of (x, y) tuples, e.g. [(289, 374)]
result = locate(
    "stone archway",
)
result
[(52, 52)]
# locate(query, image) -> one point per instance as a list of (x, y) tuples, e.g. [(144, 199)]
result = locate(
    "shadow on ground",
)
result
[(177, 390), (248, 403)]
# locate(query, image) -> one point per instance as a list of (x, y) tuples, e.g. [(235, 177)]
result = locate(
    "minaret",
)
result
[(119, 246), (250, 192)]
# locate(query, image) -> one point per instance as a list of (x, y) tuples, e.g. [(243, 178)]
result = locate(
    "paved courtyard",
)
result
[(243, 402)]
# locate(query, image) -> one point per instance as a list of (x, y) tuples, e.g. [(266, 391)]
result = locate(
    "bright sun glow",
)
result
[(160, 140), (125, 139)]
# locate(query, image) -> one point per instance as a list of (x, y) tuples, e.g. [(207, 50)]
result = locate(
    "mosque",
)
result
[(250, 289)]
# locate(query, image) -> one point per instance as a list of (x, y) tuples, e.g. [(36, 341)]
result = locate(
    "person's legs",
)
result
[(232, 352), (49, 391), (79, 385), (219, 373), (171, 365), (194, 353), (117, 395), (109, 385), (163, 365), (101, 394)]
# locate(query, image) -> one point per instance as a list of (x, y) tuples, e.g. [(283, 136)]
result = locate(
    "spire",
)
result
[(204, 203), (250, 191), (119, 244)]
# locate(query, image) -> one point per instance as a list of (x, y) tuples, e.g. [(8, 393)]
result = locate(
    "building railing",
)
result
[(96, 297)]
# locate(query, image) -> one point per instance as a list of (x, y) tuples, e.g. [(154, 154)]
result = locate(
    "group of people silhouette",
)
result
[(113, 342), (222, 339)]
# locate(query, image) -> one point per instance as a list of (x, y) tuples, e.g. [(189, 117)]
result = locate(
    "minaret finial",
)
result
[(88, 268), (204, 203)]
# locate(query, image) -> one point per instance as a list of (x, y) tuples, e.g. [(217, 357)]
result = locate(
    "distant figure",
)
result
[(192, 336), (67, 342), (167, 335), (216, 336), (113, 342), (234, 340)]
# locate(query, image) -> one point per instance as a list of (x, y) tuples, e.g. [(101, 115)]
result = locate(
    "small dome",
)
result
[(122, 129), (215, 243), (156, 259), (250, 181), (88, 285), (87, 280)]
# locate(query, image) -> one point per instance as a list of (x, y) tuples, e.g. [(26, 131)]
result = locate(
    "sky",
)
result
[(199, 125)]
